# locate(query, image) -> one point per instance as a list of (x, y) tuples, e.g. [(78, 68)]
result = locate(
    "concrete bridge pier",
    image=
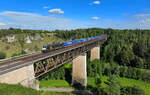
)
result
[(95, 53), (79, 74), (24, 76)]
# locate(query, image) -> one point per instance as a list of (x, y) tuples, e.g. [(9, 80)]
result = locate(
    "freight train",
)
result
[(48, 48)]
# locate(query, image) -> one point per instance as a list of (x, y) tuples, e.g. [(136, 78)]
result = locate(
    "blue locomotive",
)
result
[(49, 47)]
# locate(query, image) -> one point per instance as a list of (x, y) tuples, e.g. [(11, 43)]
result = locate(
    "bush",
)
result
[(113, 85), (36, 48), (23, 52), (7, 47), (132, 91), (14, 54), (2, 55)]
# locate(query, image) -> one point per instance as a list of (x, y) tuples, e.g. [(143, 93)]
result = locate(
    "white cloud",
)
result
[(145, 24), (142, 15), (34, 21), (46, 7), (146, 21), (2, 24), (56, 11), (143, 20), (96, 2), (25, 20), (95, 18)]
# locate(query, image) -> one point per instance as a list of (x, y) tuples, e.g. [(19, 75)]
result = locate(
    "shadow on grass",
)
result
[(68, 76)]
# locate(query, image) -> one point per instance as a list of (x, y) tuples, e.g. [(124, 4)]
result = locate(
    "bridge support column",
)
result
[(95, 53), (79, 74), (24, 76)]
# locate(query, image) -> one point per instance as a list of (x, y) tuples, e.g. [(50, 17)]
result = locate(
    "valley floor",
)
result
[(91, 82), (6, 89)]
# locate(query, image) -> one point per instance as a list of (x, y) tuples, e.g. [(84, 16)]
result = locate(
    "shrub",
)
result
[(14, 54), (36, 48), (2, 55), (131, 91), (7, 47), (23, 52)]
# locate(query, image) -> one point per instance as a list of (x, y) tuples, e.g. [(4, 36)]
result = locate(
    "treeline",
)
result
[(7, 32), (101, 68), (79, 33)]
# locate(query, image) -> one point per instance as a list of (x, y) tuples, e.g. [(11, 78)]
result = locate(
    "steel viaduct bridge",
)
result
[(25, 70)]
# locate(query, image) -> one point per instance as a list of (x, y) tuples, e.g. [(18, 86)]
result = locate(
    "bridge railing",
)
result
[(20, 56)]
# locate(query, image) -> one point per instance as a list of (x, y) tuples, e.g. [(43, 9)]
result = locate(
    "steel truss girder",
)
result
[(49, 64)]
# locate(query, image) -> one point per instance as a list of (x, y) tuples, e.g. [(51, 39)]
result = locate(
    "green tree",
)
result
[(99, 89), (98, 81), (113, 85)]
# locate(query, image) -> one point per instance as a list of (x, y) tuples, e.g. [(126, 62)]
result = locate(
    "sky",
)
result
[(73, 14)]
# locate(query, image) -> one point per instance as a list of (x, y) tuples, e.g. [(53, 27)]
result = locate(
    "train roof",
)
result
[(81, 40)]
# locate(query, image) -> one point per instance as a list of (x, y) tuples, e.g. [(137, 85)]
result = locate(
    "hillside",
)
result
[(22, 42)]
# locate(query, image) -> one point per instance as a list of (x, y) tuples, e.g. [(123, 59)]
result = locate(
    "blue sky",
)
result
[(72, 14)]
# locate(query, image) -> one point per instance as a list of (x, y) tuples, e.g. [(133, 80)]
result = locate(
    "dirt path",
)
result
[(83, 92), (57, 89)]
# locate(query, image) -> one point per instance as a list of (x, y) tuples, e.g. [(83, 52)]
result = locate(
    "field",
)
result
[(126, 82), (54, 83)]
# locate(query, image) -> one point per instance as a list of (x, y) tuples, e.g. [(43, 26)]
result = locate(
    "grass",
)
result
[(6, 89), (131, 82), (54, 83), (91, 81), (55, 93), (125, 82)]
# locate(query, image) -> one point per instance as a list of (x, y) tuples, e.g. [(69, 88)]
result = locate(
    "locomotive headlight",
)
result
[(43, 48)]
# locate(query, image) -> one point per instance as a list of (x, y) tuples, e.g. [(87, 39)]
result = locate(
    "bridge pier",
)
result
[(79, 74), (24, 76), (95, 53)]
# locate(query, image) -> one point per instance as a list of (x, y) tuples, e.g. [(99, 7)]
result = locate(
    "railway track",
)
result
[(13, 64)]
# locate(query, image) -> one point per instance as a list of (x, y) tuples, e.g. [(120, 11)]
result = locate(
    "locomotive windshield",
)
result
[(44, 46)]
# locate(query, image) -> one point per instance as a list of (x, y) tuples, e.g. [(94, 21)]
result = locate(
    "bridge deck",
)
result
[(14, 64)]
